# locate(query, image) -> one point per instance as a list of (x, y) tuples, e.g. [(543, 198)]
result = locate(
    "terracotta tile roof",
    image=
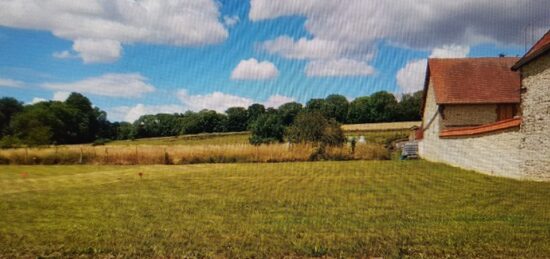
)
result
[(487, 128), (541, 47), (474, 80)]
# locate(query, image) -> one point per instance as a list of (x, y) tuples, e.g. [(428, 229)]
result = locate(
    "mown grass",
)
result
[(335, 209), (193, 140), (405, 125)]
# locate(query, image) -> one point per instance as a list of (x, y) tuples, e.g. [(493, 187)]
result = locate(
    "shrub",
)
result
[(10, 142), (312, 127)]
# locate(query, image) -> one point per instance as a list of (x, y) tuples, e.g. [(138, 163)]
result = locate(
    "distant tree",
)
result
[(289, 111), (409, 107), (237, 119), (254, 111), (336, 106), (313, 127), (315, 105), (267, 128), (383, 107), (359, 110), (8, 108)]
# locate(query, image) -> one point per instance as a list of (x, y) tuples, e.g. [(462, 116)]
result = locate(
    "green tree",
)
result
[(383, 107), (8, 108), (267, 128), (237, 119), (313, 127), (359, 110), (409, 107), (254, 111), (336, 106), (289, 111)]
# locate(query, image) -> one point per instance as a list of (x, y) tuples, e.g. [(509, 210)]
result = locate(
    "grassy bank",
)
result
[(336, 209), (186, 154)]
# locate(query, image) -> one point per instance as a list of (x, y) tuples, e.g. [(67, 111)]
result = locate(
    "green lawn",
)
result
[(336, 209)]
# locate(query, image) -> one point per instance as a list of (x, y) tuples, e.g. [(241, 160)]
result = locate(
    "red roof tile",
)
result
[(541, 47), (487, 128), (474, 80)]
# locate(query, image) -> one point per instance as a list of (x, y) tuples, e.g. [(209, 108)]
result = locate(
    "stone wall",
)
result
[(469, 115), (495, 154), (535, 144)]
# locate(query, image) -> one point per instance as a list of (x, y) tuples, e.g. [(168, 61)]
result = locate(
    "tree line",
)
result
[(76, 120)]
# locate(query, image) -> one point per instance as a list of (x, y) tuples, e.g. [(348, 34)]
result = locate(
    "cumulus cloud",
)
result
[(351, 29), (132, 113), (217, 101), (99, 28), (277, 100), (131, 85), (338, 67), (230, 21), (61, 96), (421, 24), (37, 100), (6, 82), (411, 77), (251, 69)]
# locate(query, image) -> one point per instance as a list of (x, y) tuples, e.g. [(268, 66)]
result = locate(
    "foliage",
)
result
[(289, 111), (76, 120), (313, 127), (268, 128), (237, 119)]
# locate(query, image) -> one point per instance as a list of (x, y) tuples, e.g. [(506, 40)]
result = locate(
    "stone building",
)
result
[(490, 115)]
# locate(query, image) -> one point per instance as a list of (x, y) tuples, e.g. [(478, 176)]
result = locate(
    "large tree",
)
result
[(8, 108), (237, 119)]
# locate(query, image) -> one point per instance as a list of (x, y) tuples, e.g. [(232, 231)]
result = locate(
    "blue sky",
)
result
[(216, 54)]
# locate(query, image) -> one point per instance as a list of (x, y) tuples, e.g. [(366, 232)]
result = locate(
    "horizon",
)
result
[(136, 58)]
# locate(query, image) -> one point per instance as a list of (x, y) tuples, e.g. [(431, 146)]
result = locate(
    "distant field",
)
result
[(198, 139), (336, 209), (381, 126)]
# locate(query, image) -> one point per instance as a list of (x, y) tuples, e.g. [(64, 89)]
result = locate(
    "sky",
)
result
[(135, 57)]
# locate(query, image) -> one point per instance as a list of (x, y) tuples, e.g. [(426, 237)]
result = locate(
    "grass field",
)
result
[(198, 139), (381, 126), (335, 209)]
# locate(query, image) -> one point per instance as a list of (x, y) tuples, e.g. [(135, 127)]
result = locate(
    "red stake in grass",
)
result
[(140, 175)]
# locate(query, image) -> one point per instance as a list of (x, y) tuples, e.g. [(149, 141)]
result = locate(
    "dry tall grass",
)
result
[(182, 154)]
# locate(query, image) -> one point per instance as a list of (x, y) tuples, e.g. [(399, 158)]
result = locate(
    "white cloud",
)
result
[(98, 51), (230, 21), (251, 69), (61, 96), (6, 82), (98, 28), (131, 85), (130, 114), (277, 100), (411, 77), (422, 24), (338, 67), (217, 101), (65, 54), (37, 100), (450, 51), (352, 29)]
